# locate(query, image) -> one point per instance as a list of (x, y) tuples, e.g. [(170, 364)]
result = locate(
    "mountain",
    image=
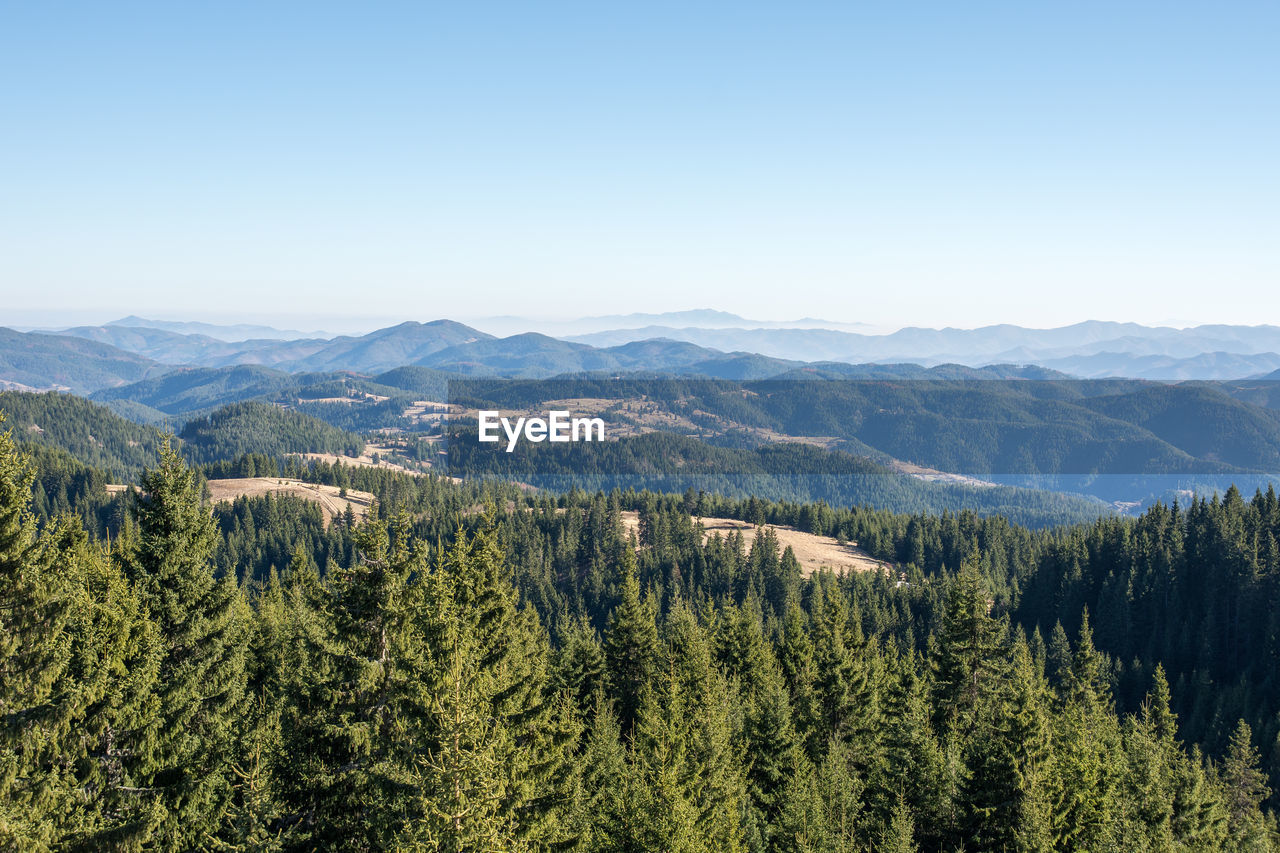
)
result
[(1209, 365), (794, 472), (191, 389), (1117, 439), (536, 356), (422, 383), (1202, 421), (41, 362), (1097, 348), (177, 348), (377, 351), (233, 332), (705, 318), (174, 347), (407, 343), (528, 355), (88, 359)]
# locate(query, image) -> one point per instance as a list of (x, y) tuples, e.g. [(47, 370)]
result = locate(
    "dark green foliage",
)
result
[(202, 624), (253, 427), (78, 663), (631, 651), (34, 651), (90, 433), (781, 472)]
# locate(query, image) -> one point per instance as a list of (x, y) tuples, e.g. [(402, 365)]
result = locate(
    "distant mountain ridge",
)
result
[(86, 359), (223, 332), (1238, 351), (705, 318)]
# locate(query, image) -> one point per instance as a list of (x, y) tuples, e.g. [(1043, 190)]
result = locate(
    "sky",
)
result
[(939, 164)]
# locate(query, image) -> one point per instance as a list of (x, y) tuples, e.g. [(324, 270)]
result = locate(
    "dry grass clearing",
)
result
[(364, 460), (428, 411), (349, 401), (328, 497), (813, 552)]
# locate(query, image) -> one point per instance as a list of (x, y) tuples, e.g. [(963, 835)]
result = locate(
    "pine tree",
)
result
[(840, 791), (1152, 756), (1199, 813), (687, 796), (346, 779), (603, 819), (803, 823), (846, 686), (1085, 769), (771, 753), (898, 837), (497, 772), (34, 653), (795, 657), (116, 651), (580, 666), (914, 762), (201, 680), (460, 781), (1246, 788), (969, 660), (631, 651)]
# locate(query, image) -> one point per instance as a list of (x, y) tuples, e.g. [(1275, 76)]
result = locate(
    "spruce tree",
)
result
[(969, 660), (116, 651), (34, 653), (201, 680), (1086, 765), (496, 743), (631, 651), (898, 837), (1246, 788), (603, 818), (846, 683), (346, 777)]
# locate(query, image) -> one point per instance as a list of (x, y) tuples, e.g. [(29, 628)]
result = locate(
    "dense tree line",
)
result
[(665, 462), (990, 426), (538, 678)]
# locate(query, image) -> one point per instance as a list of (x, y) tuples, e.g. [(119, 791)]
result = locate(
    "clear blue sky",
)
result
[(929, 163)]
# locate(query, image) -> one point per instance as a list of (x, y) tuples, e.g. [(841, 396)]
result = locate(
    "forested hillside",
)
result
[(477, 669), (663, 462), (187, 390), (89, 433), (253, 427)]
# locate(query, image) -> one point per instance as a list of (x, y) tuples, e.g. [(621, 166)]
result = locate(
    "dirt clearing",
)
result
[(365, 460), (329, 497), (813, 552)]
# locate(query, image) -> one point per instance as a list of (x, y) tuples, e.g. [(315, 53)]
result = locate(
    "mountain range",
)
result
[(85, 359)]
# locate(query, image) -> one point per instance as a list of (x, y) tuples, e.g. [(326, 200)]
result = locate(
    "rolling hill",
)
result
[(90, 433), (254, 427), (39, 362)]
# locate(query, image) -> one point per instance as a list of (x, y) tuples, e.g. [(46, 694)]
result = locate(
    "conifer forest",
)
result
[(473, 666)]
